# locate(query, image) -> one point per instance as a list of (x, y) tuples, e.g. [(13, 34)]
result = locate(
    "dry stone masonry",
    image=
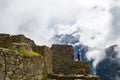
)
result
[(63, 61), (14, 66), (49, 65)]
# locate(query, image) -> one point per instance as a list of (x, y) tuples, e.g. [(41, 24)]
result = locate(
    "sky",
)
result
[(38, 19), (96, 23)]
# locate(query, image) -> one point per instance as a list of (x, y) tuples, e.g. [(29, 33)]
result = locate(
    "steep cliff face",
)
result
[(14, 66)]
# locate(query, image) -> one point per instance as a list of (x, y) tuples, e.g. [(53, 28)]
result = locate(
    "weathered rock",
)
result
[(14, 66), (7, 78), (47, 54), (56, 60), (63, 61), (7, 40)]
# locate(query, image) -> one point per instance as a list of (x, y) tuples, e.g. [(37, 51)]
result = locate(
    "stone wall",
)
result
[(63, 55), (59, 59), (47, 54), (6, 40), (16, 42), (63, 61), (14, 66)]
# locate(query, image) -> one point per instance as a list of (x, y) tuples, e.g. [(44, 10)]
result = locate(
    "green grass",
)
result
[(27, 53), (4, 48), (35, 53), (23, 52)]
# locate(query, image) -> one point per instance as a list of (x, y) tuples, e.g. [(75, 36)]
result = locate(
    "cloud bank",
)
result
[(94, 23)]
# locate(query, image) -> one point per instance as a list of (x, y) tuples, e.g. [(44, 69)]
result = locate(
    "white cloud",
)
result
[(117, 49), (117, 78)]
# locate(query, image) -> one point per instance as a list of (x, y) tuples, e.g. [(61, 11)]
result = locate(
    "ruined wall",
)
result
[(47, 54), (59, 59), (6, 40), (63, 55), (20, 41), (63, 61), (14, 66), (80, 68)]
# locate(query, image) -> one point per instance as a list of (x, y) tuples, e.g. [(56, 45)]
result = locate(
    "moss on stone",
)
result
[(22, 52), (4, 48), (28, 54)]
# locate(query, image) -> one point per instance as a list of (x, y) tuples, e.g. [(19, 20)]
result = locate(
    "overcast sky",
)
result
[(37, 19), (98, 21)]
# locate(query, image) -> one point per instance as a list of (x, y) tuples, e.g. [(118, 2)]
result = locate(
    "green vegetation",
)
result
[(23, 52), (27, 53), (4, 48)]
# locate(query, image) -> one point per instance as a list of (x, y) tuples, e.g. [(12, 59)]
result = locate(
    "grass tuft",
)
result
[(29, 54), (23, 52)]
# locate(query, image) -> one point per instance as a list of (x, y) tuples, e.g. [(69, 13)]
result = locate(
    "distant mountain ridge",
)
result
[(109, 68)]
